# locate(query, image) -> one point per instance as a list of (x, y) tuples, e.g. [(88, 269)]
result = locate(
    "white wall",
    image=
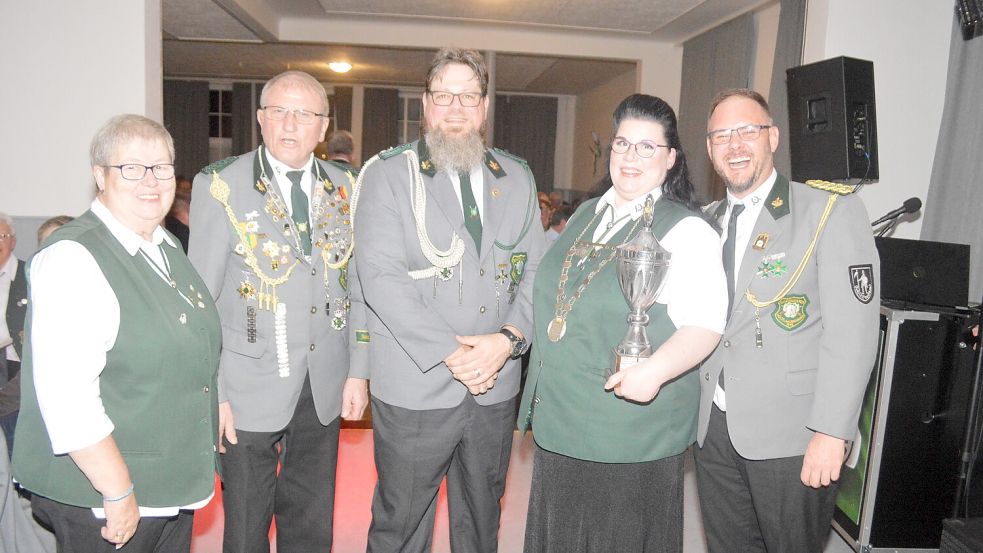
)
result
[(68, 66), (594, 110), (908, 41)]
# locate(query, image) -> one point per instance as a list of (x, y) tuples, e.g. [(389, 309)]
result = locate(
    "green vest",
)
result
[(564, 398), (158, 386)]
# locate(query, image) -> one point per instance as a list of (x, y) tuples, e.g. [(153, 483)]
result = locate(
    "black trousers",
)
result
[(470, 443), (301, 495), (758, 506), (77, 530)]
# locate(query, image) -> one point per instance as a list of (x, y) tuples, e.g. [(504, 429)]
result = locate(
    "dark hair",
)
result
[(743, 93), (470, 58), (677, 186), (560, 214)]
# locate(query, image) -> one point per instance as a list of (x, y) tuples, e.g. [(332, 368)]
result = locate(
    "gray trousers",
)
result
[(758, 506), (414, 450)]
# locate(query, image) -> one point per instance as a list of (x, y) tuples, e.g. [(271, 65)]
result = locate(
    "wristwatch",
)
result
[(518, 344)]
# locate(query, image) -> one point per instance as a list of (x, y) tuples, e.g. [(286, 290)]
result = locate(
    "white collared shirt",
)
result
[(694, 293), (753, 203), (279, 176), (7, 273), (477, 188), (74, 323)]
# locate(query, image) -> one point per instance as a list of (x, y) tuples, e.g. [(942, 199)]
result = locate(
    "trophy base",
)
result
[(623, 361)]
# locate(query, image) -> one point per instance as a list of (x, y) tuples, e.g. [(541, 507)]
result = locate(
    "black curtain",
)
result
[(526, 127), (716, 60), (245, 102), (341, 109), (186, 118), (380, 113)]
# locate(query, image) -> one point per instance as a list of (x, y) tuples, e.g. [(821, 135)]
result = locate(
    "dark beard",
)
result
[(455, 154)]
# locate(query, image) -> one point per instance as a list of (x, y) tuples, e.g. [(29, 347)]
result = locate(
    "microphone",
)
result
[(911, 205)]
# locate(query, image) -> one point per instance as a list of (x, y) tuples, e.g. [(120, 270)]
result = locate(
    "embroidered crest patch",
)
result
[(862, 282), (518, 261), (790, 311)]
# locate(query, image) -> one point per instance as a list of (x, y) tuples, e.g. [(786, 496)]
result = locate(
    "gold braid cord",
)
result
[(834, 187), (267, 295), (802, 264)]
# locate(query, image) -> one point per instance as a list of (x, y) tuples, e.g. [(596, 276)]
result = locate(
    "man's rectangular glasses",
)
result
[(302, 116), (135, 171), (467, 99), (747, 133)]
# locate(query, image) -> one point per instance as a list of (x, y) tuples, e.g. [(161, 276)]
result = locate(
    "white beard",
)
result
[(455, 154)]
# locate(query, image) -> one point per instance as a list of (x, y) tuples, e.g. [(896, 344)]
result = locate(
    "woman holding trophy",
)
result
[(612, 413)]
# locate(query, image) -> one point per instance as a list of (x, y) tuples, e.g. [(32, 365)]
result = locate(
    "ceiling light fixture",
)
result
[(340, 66)]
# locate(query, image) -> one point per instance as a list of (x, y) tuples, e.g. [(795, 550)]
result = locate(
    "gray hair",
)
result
[(296, 78), (124, 128), (471, 58), (341, 142), (9, 221)]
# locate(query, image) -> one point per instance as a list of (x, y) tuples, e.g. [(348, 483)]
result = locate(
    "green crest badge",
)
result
[(790, 311), (343, 277), (518, 261)]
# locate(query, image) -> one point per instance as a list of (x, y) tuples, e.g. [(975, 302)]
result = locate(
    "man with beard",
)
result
[(782, 392), (448, 246)]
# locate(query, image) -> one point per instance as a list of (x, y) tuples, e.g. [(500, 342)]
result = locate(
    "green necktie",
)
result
[(300, 210), (472, 219)]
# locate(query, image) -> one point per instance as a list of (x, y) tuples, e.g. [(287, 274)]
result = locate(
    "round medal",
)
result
[(556, 329)]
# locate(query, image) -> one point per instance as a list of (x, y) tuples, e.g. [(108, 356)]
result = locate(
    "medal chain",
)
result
[(564, 307), (165, 272)]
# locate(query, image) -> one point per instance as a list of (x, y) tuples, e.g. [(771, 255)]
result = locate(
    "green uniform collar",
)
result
[(262, 172), (777, 202)]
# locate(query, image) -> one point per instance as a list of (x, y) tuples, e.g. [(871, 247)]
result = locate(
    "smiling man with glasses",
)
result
[(271, 236), (781, 394), (448, 247)]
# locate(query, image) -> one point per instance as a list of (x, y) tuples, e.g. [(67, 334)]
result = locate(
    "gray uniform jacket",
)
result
[(264, 361), (818, 343), (413, 322)]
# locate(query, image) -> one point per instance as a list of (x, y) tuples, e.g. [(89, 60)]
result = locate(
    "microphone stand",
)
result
[(888, 227), (971, 437)]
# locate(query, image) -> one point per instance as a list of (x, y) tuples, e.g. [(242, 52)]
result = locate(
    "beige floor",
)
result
[(356, 479)]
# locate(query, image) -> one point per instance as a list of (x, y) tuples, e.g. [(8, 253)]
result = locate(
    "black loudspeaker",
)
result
[(904, 479), (832, 124)]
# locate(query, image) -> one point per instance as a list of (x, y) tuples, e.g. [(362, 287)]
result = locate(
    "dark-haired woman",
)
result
[(608, 466)]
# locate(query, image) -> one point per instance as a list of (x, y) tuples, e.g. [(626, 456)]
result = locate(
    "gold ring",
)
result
[(119, 535)]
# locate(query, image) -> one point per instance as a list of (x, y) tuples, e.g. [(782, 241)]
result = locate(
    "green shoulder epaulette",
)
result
[(386, 154), (217, 166), (833, 187), (513, 157)]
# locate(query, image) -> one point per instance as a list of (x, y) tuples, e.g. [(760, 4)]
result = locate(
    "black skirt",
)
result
[(578, 506)]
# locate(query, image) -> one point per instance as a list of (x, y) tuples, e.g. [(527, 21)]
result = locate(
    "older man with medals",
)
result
[(781, 395), (448, 245), (272, 239)]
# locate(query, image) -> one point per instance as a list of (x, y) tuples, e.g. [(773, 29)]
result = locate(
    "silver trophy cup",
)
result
[(642, 268)]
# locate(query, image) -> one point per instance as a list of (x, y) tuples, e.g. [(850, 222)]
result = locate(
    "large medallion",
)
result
[(556, 329)]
